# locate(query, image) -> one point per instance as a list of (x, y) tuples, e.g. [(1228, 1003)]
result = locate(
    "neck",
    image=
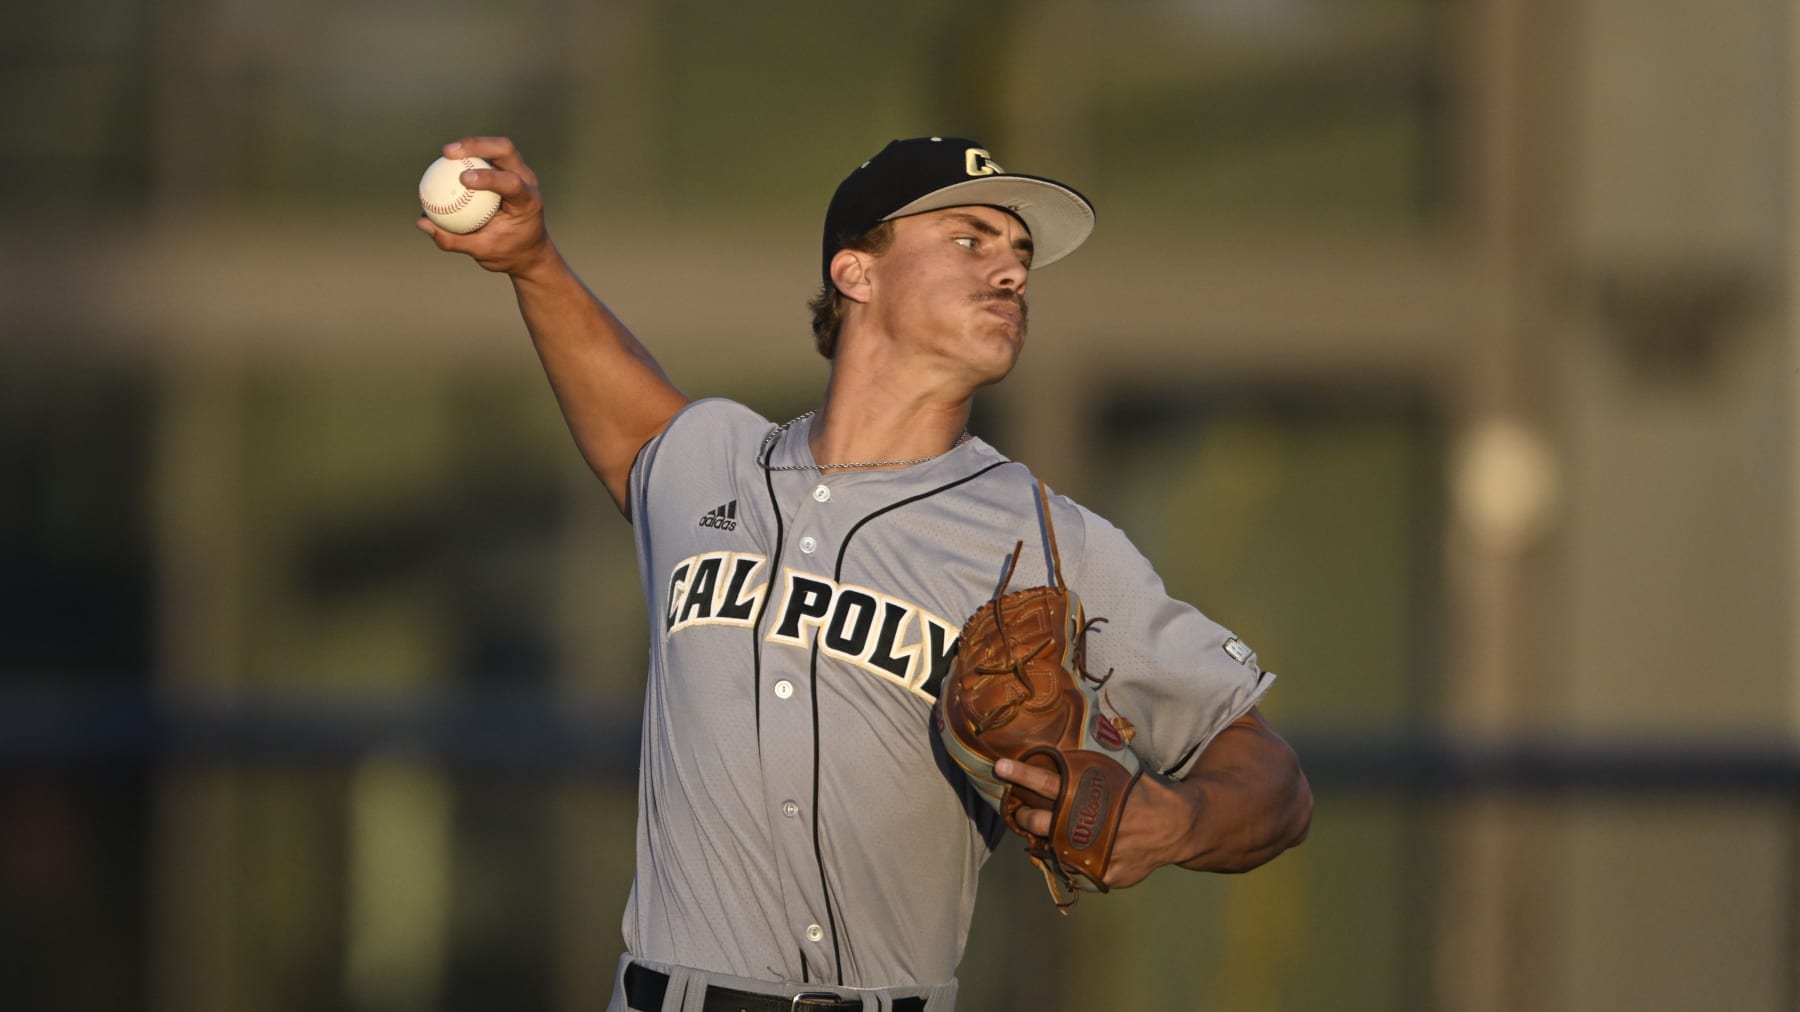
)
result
[(875, 423)]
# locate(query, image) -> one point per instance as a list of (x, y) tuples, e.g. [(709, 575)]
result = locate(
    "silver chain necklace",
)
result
[(774, 434)]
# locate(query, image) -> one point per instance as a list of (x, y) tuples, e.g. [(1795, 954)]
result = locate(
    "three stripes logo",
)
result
[(723, 518)]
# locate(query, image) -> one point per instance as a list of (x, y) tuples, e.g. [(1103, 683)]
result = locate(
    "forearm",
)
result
[(613, 394), (1250, 800)]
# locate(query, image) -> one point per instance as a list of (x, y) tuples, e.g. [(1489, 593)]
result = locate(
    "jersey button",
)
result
[(822, 494), (790, 809), (784, 689), (814, 932), (808, 545)]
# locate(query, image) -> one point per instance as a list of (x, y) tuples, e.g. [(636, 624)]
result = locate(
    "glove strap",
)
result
[(1085, 820)]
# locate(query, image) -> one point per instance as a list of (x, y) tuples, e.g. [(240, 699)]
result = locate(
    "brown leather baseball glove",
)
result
[(1018, 689)]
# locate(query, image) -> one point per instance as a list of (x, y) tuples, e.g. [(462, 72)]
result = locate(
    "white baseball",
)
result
[(451, 205)]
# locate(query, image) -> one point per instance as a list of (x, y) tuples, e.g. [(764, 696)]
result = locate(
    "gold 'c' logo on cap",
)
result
[(980, 163)]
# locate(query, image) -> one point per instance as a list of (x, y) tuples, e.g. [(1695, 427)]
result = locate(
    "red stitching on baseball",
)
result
[(461, 201)]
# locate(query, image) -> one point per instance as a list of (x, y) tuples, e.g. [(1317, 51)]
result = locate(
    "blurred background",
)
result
[(1444, 349)]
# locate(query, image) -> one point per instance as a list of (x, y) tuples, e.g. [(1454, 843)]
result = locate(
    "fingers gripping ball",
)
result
[(452, 206), (1018, 689)]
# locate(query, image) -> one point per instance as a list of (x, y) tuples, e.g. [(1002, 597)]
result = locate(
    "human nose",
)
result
[(1012, 272)]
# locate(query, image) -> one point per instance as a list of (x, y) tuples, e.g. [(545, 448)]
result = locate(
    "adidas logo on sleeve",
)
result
[(723, 518)]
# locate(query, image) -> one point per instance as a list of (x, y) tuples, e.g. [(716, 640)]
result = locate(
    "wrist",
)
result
[(541, 265)]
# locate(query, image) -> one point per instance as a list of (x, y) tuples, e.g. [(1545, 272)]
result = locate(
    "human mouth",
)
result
[(1010, 309)]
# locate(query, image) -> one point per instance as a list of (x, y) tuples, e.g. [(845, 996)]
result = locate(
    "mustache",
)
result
[(1001, 295)]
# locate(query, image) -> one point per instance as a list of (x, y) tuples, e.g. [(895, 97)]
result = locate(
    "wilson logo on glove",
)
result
[(1090, 804)]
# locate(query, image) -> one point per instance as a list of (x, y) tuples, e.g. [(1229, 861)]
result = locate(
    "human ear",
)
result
[(850, 273)]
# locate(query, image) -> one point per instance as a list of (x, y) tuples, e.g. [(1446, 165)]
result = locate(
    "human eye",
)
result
[(966, 241)]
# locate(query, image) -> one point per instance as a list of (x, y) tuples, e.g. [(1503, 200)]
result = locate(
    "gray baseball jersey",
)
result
[(797, 821)]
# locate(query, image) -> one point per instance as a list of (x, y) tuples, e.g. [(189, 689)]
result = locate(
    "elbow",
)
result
[(1299, 807), (1286, 828), (1288, 794), (1301, 823), (1266, 803), (1291, 830)]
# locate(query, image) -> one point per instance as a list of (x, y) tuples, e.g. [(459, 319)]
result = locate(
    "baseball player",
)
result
[(802, 841)]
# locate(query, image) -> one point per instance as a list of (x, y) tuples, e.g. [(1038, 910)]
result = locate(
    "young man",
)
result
[(800, 833)]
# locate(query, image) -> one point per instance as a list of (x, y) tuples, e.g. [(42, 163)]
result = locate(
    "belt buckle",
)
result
[(794, 1003)]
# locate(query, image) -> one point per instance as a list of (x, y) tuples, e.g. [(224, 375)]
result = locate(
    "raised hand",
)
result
[(515, 241)]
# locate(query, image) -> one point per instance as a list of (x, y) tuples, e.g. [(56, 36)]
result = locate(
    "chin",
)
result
[(988, 354), (1001, 366)]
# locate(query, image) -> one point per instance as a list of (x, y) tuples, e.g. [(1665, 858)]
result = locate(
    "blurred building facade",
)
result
[(1445, 349)]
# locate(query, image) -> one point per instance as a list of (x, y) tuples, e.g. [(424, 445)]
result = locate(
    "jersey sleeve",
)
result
[(1179, 677), (706, 437)]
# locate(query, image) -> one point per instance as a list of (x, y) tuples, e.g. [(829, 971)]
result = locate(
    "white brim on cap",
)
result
[(1058, 218)]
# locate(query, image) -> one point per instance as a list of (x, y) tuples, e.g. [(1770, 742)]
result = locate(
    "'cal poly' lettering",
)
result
[(884, 635), (714, 589), (897, 640)]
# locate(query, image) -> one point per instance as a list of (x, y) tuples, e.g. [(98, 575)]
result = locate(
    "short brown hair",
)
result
[(828, 306)]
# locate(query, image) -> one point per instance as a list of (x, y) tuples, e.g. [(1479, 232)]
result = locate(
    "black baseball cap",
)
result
[(930, 173)]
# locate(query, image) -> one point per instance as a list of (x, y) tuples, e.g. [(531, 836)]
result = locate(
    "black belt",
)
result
[(644, 989)]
